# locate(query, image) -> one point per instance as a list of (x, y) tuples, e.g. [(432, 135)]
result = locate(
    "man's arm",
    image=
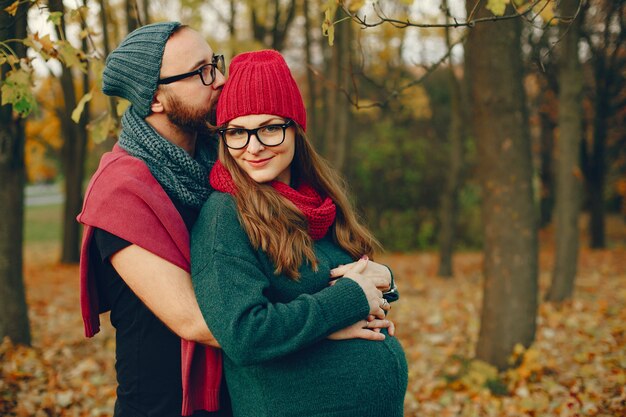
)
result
[(166, 290)]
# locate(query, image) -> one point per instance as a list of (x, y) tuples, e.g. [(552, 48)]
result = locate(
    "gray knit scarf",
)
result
[(183, 178)]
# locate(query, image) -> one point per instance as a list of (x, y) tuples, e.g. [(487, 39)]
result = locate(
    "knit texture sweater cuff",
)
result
[(343, 304)]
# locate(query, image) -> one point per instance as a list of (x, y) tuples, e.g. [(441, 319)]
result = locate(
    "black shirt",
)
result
[(147, 352)]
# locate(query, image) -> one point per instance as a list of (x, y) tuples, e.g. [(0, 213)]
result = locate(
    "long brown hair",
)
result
[(277, 227)]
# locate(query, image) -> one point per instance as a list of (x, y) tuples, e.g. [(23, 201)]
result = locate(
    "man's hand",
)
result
[(379, 274), (365, 329)]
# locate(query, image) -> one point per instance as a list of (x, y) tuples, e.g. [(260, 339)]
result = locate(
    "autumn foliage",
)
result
[(576, 367)]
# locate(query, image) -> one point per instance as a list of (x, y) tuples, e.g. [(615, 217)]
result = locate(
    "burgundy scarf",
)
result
[(320, 212)]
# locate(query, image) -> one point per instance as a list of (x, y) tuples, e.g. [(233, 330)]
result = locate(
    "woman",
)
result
[(262, 251)]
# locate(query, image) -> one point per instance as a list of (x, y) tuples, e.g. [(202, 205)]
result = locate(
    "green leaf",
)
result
[(55, 18), (497, 7), (17, 91), (80, 107), (71, 56)]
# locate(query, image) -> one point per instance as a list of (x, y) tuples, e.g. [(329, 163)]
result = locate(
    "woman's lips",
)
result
[(258, 163)]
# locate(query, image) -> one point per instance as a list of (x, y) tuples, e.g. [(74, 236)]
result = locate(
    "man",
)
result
[(138, 210)]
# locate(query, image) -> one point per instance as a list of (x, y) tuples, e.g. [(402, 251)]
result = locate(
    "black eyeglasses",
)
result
[(206, 72), (268, 135)]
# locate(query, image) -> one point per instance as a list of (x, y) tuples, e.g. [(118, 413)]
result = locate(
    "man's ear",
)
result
[(157, 102)]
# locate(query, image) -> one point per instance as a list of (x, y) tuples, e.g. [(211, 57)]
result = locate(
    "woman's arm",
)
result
[(231, 286), (251, 329)]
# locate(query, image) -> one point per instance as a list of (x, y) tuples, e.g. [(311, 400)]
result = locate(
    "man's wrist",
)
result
[(392, 293)]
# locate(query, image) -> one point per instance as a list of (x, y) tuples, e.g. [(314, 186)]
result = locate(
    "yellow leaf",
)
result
[(328, 26), (12, 9), (546, 11), (122, 105), (497, 7), (71, 57), (80, 107), (354, 5), (47, 46)]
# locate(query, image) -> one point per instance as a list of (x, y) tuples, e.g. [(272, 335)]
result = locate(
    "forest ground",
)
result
[(576, 366)]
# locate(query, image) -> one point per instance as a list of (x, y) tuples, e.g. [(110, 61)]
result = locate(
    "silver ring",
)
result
[(385, 302)]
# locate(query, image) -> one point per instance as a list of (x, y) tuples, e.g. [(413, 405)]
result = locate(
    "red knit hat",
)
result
[(260, 83)]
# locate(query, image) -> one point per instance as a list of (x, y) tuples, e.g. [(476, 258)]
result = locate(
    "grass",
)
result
[(43, 224)]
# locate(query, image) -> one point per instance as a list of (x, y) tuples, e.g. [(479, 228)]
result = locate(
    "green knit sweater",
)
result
[(277, 359)]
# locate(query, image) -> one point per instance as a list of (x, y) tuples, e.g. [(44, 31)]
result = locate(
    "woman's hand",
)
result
[(374, 296), (365, 329), (378, 273)]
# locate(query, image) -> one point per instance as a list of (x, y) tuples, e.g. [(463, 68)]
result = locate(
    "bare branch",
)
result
[(401, 24), (354, 99), (567, 20)]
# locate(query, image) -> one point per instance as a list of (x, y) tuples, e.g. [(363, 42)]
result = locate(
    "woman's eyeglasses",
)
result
[(268, 135)]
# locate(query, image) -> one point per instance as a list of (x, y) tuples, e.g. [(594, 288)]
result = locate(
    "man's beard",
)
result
[(187, 118)]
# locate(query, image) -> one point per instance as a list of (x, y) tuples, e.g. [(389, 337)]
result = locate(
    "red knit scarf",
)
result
[(320, 212)]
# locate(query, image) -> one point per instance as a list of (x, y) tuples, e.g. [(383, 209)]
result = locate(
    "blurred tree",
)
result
[(74, 144), (604, 33), (13, 310), (541, 73), (337, 108), (106, 44), (569, 176), (312, 115), (449, 196), (500, 126), (132, 15), (270, 21), (44, 139), (145, 18)]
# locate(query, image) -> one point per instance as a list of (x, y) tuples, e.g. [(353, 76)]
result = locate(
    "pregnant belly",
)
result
[(332, 376)]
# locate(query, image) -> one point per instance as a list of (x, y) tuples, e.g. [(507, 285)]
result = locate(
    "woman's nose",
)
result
[(255, 146)]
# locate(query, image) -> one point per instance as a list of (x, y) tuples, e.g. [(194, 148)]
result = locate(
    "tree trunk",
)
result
[(282, 24), (597, 162), (607, 51), (338, 107), (449, 197), (132, 22), (546, 173), (13, 310), (232, 29), (312, 128), (500, 125), (569, 174), (107, 49), (146, 11), (73, 154)]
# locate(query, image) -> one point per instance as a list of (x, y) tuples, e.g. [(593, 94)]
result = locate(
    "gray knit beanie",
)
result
[(133, 68)]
